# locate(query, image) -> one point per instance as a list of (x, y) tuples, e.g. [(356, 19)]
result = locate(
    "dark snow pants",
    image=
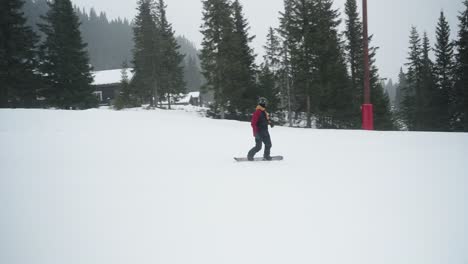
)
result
[(264, 137)]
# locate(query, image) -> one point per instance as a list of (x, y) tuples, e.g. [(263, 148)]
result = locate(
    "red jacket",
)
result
[(260, 120)]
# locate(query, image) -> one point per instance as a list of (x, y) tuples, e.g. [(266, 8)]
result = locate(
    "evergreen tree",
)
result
[(192, 75), (125, 98), (428, 90), (383, 116), (390, 88), (420, 97), (410, 106), (171, 72), (460, 118), (270, 76), (188, 48), (315, 54), (146, 56), (401, 88), (17, 57), (301, 32), (217, 29), (241, 91), (335, 88), (355, 54), (307, 57), (268, 87), (272, 48), (33, 11), (444, 70), (287, 93), (109, 41), (64, 60)]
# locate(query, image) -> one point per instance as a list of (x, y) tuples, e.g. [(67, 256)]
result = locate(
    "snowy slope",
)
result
[(109, 187)]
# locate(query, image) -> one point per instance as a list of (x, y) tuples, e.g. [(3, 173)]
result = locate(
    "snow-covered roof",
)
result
[(187, 97), (110, 76)]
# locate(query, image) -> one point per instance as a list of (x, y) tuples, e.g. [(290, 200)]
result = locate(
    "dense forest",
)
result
[(311, 73), (110, 41)]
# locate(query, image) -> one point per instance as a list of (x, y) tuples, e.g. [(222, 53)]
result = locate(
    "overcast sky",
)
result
[(389, 20)]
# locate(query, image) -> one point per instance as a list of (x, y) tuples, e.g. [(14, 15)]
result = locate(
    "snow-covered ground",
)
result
[(108, 187)]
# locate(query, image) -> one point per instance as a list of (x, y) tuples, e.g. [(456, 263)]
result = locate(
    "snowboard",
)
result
[(273, 158)]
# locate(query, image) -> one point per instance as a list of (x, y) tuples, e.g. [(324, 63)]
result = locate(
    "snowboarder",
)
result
[(260, 122)]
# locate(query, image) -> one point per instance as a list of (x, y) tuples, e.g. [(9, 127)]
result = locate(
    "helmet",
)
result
[(262, 101)]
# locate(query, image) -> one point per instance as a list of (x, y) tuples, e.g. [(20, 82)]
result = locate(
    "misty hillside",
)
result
[(110, 42)]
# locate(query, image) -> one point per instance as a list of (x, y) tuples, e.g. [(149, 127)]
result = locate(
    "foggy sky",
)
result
[(390, 22)]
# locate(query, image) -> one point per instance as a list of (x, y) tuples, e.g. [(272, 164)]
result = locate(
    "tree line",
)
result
[(307, 68), (433, 95), (157, 62), (55, 67), (46, 55), (313, 70), (109, 41), (310, 70)]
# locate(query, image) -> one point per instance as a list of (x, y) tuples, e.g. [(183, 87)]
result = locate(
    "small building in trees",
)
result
[(107, 84), (192, 98)]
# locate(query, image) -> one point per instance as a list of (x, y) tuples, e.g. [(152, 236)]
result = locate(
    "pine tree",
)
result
[(192, 75), (65, 62), (383, 116), (217, 29), (420, 97), (146, 54), (460, 118), (390, 88), (33, 11), (401, 88), (270, 73), (316, 62), (301, 33), (428, 90), (241, 90), (171, 72), (125, 98), (335, 87), (444, 70), (355, 54), (410, 106), (285, 71), (268, 87), (17, 57), (109, 41), (272, 49)]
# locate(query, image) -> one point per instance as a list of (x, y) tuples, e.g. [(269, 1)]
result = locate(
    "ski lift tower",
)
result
[(367, 108)]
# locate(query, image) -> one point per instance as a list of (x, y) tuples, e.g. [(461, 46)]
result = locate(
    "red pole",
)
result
[(367, 109)]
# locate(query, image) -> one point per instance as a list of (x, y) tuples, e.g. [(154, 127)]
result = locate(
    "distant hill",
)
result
[(110, 42)]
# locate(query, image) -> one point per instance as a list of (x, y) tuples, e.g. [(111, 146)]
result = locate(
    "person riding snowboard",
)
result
[(260, 122)]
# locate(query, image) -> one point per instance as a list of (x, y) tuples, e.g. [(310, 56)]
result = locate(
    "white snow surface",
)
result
[(137, 186), (110, 76)]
